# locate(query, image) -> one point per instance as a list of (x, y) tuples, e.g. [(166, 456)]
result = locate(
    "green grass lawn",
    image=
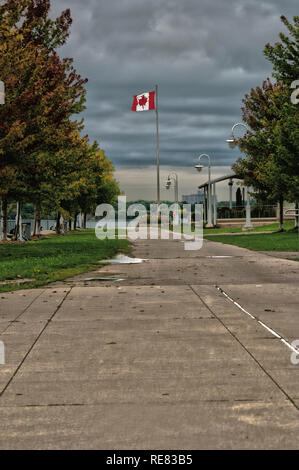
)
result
[(284, 241), (288, 224), (55, 258)]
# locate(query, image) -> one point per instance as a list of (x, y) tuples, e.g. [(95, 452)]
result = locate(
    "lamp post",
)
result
[(199, 168), (232, 140), (232, 143), (173, 177)]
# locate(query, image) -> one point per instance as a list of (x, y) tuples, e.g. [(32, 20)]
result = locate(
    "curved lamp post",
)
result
[(232, 140), (199, 168), (232, 143)]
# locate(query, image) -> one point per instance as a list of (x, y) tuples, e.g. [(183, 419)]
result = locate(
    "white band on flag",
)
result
[(144, 102)]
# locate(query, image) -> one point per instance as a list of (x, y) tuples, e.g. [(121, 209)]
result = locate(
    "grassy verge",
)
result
[(55, 258), (288, 225), (284, 241)]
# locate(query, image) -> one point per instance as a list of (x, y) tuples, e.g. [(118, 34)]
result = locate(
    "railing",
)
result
[(239, 212), (46, 224)]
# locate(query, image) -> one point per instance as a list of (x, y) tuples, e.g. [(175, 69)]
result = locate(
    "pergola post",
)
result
[(205, 204), (230, 184), (215, 204)]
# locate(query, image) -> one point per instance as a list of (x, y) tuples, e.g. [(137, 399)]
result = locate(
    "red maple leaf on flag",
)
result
[(142, 101)]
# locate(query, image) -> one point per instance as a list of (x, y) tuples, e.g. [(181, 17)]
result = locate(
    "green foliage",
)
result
[(284, 54), (271, 165), (43, 158), (32, 17)]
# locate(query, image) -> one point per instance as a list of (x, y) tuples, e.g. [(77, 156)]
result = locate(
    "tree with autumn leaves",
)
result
[(43, 158), (271, 165)]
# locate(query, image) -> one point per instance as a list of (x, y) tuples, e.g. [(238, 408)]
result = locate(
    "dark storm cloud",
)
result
[(204, 54)]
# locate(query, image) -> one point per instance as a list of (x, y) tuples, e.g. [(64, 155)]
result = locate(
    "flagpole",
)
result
[(157, 146)]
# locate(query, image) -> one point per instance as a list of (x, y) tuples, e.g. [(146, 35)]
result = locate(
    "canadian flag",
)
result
[(144, 102)]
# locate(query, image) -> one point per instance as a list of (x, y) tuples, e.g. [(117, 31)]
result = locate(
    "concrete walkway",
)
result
[(161, 360)]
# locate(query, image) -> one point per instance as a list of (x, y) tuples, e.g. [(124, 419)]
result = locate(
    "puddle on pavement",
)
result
[(216, 257), (101, 279), (123, 259)]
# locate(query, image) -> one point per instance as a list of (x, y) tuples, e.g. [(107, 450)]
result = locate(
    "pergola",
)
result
[(230, 179)]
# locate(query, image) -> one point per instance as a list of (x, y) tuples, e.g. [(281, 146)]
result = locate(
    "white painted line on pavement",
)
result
[(236, 303), (289, 346), (269, 329), (258, 321)]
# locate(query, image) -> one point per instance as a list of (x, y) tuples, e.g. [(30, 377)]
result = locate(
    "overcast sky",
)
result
[(204, 55)]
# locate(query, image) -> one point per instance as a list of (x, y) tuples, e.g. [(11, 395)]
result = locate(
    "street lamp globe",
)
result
[(231, 142), (199, 167)]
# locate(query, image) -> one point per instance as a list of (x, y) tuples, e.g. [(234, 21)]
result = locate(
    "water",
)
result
[(218, 257), (123, 259)]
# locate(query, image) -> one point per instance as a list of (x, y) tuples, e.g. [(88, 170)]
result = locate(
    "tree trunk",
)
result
[(70, 225), (297, 216), (281, 214), (58, 223), (4, 220), (36, 231), (18, 216), (84, 220), (75, 222)]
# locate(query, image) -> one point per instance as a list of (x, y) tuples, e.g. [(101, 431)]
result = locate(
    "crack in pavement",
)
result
[(22, 313), (35, 341), (247, 350)]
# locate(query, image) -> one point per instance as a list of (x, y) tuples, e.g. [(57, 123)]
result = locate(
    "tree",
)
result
[(285, 59), (284, 54), (31, 19), (43, 92), (95, 183), (13, 140), (43, 158), (271, 163)]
